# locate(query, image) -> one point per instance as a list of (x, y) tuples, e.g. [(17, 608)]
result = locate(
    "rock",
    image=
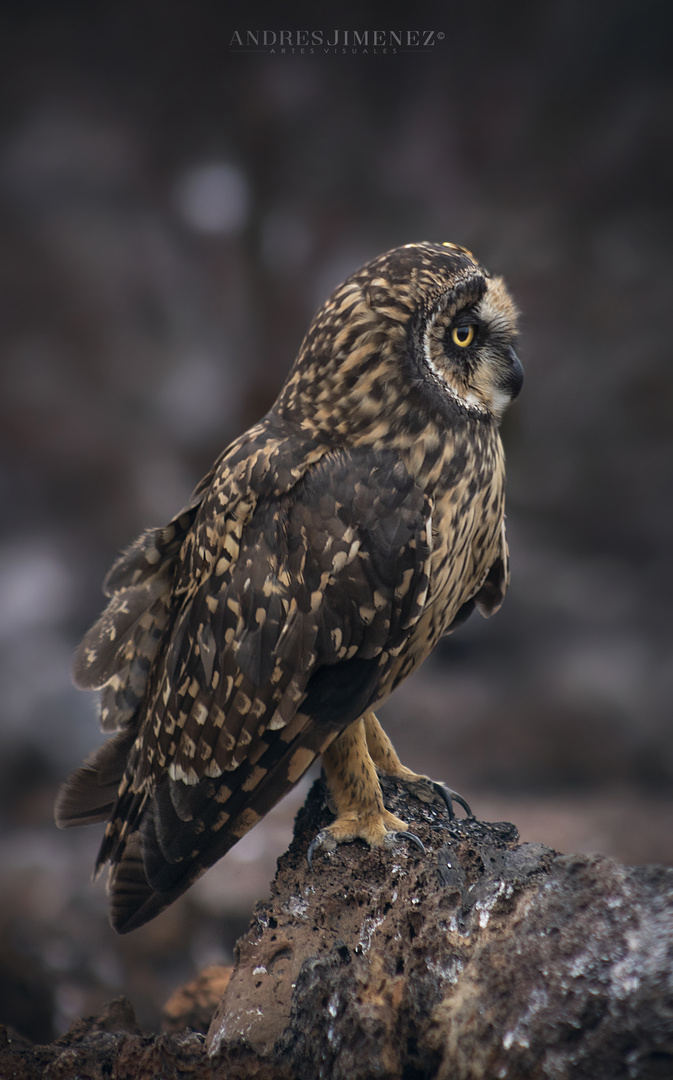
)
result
[(117, 1016), (109, 1045), (481, 958)]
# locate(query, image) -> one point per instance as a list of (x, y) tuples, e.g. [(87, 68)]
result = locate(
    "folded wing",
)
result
[(258, 666)]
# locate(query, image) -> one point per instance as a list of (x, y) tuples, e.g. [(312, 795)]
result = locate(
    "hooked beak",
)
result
[(513, 380)]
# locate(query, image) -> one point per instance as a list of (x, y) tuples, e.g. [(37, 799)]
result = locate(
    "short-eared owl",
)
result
[(315, 566)]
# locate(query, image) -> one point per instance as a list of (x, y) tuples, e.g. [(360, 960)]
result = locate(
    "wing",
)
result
[(283, 645), (117, 653), (121, 652), (116, 656), (493, 589), (491, 593)]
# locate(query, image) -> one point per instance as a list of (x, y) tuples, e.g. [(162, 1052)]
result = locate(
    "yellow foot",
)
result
[(382, 830)]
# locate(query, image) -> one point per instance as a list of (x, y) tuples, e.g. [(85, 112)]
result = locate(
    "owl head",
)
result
[(422, 334)]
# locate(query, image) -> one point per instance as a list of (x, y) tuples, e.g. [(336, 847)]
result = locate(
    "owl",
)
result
[(314, 568)]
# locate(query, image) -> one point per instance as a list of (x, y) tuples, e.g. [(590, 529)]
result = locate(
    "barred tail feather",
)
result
[(167, 854), (90, 792)]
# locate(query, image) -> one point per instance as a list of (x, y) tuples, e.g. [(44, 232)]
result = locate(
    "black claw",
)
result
[(395, 835), (449, 797), (409, 836), (319, 841), (315, 842)]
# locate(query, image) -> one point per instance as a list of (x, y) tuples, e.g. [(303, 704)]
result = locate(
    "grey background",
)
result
[(172, 213)]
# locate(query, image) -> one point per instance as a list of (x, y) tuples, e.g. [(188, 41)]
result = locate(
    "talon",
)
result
[(449, 796), (322, 839), (393, 837)]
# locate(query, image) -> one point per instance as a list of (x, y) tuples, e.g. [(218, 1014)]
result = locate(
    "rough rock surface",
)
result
[(107, 1047), (479, 958)]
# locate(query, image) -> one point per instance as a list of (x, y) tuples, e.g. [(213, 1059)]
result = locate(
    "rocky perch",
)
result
[(479, 958)]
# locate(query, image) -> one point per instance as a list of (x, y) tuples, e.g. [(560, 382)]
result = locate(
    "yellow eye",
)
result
[(463, 336)]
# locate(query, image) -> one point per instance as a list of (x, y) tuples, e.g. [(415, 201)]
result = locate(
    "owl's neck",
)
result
[(440, 460)]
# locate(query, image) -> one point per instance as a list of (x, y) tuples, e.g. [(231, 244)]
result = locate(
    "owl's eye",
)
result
[(463, 335)]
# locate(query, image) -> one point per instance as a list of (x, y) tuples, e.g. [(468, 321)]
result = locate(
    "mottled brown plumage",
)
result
[(316, 565)]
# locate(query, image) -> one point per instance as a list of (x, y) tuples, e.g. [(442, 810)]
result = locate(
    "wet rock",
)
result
[(480, 958)]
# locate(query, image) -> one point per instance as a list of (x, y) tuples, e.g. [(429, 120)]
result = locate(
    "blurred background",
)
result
[(173, 209)]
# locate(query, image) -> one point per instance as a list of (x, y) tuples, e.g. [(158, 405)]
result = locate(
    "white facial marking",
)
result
[(501, 400), (469, 401)]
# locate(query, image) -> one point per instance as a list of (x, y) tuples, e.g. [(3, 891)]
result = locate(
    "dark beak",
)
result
[(513, 380)]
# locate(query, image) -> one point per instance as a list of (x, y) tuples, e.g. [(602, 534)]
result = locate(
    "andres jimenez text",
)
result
[(334, 40)]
